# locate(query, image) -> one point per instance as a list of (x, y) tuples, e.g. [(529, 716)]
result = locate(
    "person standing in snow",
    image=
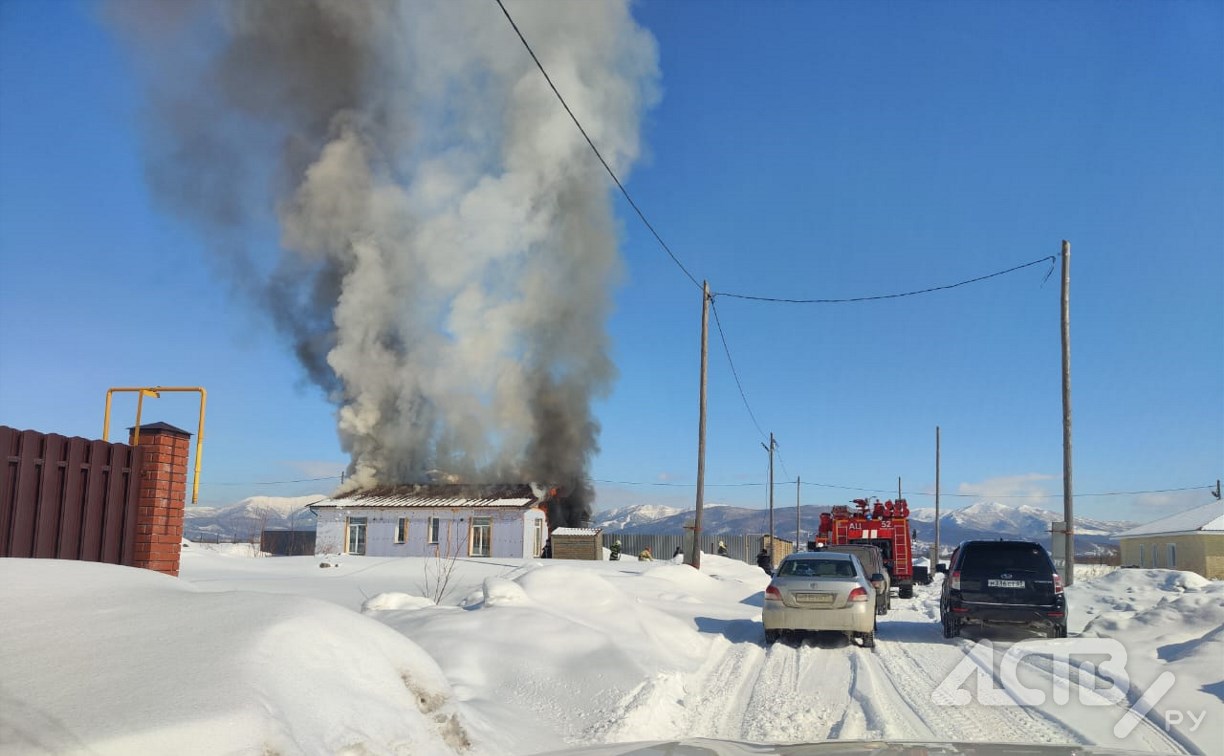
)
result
[(616, 547), (763, 560), (722, 549)]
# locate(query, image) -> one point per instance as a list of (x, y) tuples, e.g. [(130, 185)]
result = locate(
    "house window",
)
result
[(355, 537), (1142, 556), (435, 525), (401, 530), (1172, 555), (539, 537), (482, 530)]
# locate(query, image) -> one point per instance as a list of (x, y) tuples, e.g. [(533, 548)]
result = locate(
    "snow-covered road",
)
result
[(825, 687)]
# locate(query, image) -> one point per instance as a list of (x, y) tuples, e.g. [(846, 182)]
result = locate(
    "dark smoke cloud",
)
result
[(447, 247)]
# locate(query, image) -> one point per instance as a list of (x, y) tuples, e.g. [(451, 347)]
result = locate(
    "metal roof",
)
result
[(1208, 518), (445, 496), (577, 531)]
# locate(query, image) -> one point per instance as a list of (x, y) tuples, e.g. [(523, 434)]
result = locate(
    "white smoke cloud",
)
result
[(448, 245)]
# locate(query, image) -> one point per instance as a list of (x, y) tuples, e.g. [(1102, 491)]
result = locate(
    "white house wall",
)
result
[(513, 531)]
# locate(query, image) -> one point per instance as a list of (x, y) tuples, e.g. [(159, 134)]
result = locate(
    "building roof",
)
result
[(440, 496), (1208, 518), (577, 531)]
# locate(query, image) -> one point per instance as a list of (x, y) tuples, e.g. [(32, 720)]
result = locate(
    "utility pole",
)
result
[(772, 445), (935, 558), (797, 531), (695, 552), (898, 488), (1069, 527)]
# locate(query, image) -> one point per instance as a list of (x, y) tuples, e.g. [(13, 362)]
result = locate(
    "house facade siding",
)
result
[(460, 531), (1194, 552)]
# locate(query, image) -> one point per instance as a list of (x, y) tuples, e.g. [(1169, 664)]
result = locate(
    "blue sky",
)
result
[(798, 150)]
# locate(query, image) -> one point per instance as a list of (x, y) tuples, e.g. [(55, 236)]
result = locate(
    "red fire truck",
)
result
[(881, 524)]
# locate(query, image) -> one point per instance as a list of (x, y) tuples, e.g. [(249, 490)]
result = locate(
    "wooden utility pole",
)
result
[(1069, 531), (772, 445), (797, 531), (695, 552), (935, 558)]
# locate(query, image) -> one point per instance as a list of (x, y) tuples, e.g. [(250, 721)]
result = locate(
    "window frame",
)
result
[(433, 531), (359, 527), (482, 546), (1171, 555), (1142, 554), (401, 530)]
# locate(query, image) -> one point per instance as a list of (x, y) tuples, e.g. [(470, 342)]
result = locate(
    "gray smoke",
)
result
[(446, 245)]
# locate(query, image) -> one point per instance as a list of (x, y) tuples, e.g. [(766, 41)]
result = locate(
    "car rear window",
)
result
[(989, 559), (817, 568)]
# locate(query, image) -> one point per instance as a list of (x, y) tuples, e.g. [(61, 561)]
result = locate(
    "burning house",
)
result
[(447, 247), (444, 520)]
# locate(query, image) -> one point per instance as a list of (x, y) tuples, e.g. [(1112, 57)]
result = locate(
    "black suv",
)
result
[(1002, 582)]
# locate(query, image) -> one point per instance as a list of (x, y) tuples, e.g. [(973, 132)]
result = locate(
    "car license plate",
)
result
[(814, 598), (1004, 583)]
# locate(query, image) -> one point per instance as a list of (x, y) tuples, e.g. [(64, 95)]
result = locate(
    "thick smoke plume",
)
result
[(446, 244)]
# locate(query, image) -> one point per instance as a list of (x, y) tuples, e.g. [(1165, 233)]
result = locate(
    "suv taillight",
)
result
[(858, 594), (1057, 583), (955, 578), (773, 594)]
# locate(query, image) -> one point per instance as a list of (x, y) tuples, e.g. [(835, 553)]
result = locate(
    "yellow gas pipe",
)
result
[(155, 392)]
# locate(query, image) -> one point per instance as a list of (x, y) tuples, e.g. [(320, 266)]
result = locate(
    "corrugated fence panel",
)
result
[(74, 500), (67, 498), (9, 439), (50, 505)]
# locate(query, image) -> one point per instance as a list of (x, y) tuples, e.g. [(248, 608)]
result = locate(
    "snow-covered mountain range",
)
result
[(245, 520), (980, 520)]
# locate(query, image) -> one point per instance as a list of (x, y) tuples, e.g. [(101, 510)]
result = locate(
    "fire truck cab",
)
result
[(881, 524)]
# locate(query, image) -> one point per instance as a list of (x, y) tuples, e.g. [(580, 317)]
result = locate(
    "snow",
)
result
[(352, 655), (1209, 518)]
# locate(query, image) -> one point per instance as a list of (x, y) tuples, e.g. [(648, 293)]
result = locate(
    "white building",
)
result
[(434, 520)]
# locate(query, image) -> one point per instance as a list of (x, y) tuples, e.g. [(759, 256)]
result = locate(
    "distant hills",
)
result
[(981, 520), (244, 520)]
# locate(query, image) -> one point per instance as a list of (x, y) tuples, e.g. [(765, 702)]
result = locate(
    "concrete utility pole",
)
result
[(772, 445), (695, 552), (935, 558), (1069, 532)]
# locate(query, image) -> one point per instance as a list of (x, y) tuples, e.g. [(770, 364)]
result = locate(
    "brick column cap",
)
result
[(159, 428)]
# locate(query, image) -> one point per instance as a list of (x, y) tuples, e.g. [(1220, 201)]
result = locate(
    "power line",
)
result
[(734, 374), (1052, 259), (889, 491), (277, 482), (595, 149)]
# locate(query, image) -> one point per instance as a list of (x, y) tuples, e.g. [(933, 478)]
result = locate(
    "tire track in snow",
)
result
[(802, 695)]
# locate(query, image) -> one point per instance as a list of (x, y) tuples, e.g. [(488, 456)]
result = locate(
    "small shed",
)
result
[(1192, 540), (782, 548), (577, 543)]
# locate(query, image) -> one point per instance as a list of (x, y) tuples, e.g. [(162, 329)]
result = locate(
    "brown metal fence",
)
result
[(67, 498)]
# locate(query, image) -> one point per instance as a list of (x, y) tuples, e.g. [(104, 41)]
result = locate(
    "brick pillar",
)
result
[(163, 495)]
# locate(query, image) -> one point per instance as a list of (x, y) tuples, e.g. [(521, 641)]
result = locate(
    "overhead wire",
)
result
[(598, 154), (722, 334), (889, 491), (1050, 258)]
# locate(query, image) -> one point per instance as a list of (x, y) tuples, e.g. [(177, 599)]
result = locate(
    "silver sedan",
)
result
[(814, 591)]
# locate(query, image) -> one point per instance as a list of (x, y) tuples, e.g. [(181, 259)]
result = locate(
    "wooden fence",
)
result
[(68, 498)]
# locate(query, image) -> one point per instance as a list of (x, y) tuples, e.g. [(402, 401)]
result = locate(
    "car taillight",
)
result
[(858, 594), (773, 594), (1057, 583), (955, 580)]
